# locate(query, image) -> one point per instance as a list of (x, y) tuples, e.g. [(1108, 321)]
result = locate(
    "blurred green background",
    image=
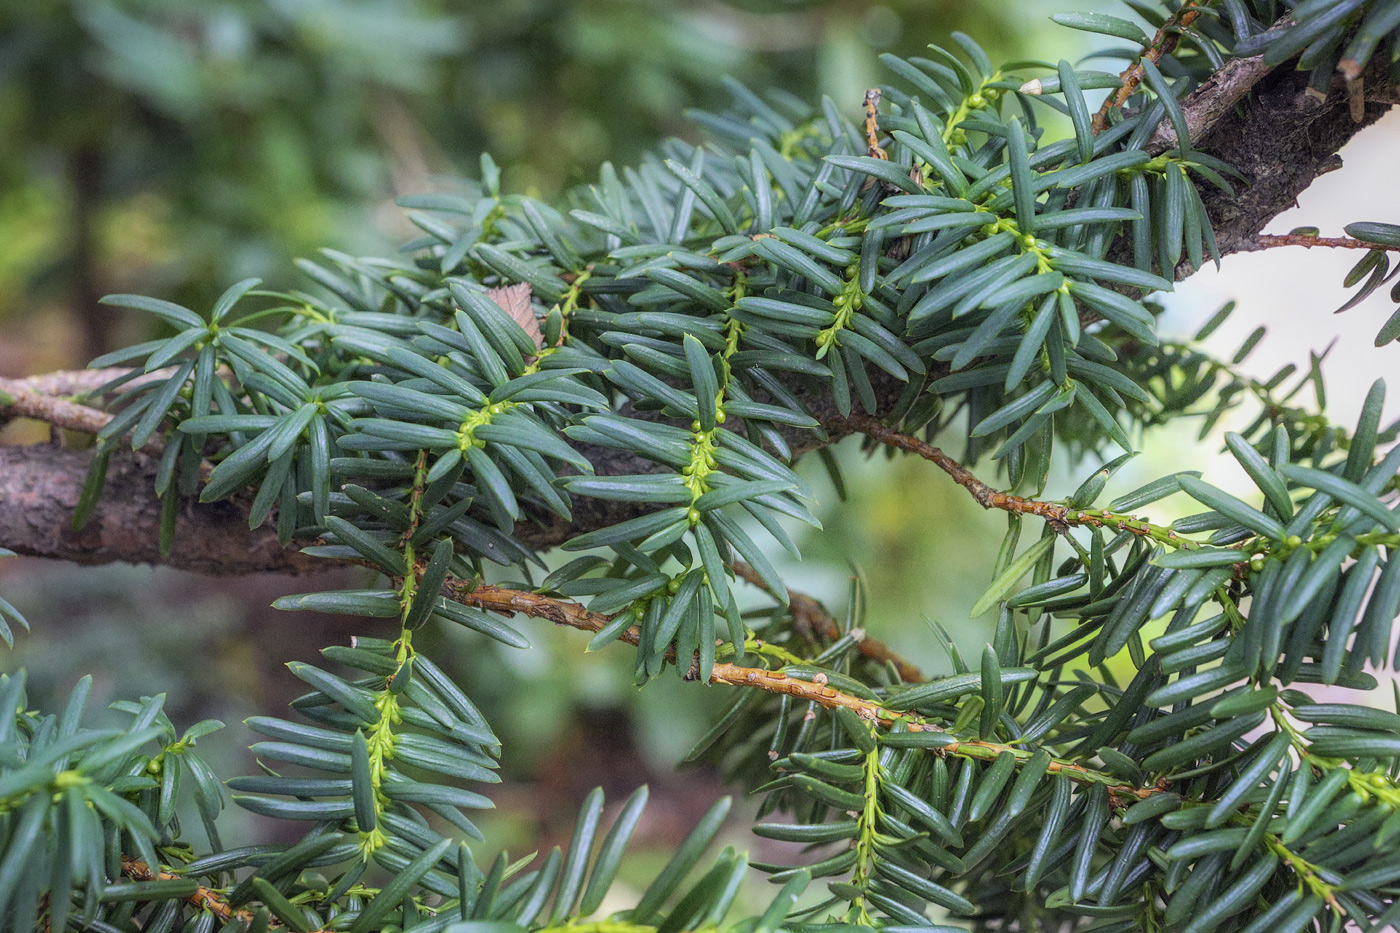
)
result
[(171, 147)]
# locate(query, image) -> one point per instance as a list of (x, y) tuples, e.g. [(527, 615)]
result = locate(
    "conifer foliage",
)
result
[(629, 375)]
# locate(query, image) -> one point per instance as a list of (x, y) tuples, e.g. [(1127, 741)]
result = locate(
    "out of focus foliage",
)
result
[(173, 145)]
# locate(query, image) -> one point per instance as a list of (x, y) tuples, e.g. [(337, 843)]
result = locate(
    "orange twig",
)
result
[(203, 897), (872, 125)]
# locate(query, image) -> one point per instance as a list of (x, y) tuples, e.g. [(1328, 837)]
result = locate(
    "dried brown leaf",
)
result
[(515, 301)]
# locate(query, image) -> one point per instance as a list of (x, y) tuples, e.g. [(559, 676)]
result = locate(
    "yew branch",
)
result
[(1162, 44), (1258, 119)]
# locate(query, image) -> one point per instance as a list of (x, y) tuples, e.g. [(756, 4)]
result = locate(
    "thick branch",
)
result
[(1280, 140), (39, 488)]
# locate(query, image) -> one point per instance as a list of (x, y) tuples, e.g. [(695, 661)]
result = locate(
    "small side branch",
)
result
[(872, 125), (1270, 240), (986, 496), (79, 384), (811, 614), (1059, 515), (1163, 43), (21, 400), (817, 690)]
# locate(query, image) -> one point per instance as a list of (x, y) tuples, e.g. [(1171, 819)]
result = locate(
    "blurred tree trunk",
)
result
[(94, 323)]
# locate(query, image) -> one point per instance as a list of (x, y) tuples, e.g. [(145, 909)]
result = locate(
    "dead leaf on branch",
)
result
[(515, 301)]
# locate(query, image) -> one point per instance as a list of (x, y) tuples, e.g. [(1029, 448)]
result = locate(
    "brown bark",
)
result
[(93, 320), (39, 488), (1281, 137)]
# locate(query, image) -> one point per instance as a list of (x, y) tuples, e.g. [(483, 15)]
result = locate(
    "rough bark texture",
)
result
[(39, 488), (1279, 137)]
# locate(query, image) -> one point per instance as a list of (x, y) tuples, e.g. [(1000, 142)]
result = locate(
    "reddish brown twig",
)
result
[(1060, 516), (985, 495), (1271, 240), (872, 125), (1162, 44)]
